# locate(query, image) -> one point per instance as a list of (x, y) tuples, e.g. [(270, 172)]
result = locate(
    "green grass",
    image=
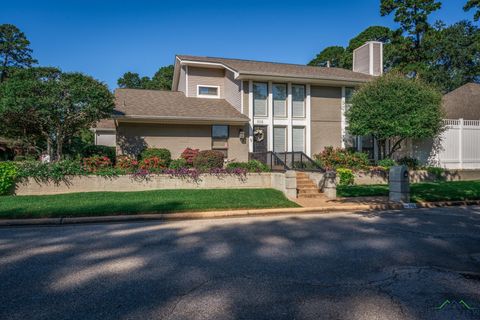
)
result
[(159, 201), (427, 191)]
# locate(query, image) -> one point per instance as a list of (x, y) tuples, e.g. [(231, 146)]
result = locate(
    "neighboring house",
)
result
[(105, 133), (242, 106), (458, 147)]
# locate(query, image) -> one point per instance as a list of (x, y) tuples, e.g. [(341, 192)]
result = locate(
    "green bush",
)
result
[(346, 177), (208, 159), (102, 151), (250, 166), (333, 158), (438, 172), (178, 164), (387, 163), (411, 163), (55, 171), (8, 174), (163, 154)]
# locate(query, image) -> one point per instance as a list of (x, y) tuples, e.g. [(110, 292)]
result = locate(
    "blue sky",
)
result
[(107, 38)]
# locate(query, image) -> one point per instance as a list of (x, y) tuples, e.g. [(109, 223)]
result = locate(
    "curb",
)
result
[(225, 214)]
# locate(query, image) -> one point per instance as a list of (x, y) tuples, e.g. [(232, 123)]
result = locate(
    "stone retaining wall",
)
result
[(378, 177), (285, 182)]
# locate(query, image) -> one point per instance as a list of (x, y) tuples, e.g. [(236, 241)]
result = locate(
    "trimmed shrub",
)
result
[(250, 166), (387, 163), (438, 172), (208, 159), (8, 174), (346, 177), (102, 151), (189, 155), (163, 155), (127, 163), (411, 163), (178, 164), (96, 164), (333, 158)]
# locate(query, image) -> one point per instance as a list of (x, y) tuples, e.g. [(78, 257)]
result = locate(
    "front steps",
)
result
[(306, 188)]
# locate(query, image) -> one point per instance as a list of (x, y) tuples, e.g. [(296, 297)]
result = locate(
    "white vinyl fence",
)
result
[(460, 144)]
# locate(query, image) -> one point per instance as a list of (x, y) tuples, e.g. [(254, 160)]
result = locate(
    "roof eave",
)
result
[(293, 78), (180, 120)]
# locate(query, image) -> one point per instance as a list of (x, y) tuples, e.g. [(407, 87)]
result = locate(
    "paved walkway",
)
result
[(378, 265), (323, 201)]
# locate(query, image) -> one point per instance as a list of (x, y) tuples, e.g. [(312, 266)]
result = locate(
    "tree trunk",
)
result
[(49, 147), (59, 145)]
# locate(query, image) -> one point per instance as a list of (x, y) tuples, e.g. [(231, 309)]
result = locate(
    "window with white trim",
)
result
[(220, 138), (208, 91), (279, 139), (298, 139), (279, 92), (298, 101), (260, 94)]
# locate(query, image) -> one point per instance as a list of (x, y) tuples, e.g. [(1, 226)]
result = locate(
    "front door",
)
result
[(260, 139)]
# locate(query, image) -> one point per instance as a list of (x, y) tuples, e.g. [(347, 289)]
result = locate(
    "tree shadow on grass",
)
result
[(397, 264)]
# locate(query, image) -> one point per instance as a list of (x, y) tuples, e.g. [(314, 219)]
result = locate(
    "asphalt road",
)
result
[(415, 264)]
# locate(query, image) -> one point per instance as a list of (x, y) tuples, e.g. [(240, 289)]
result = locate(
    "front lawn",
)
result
[(158, 201), (427, 191)]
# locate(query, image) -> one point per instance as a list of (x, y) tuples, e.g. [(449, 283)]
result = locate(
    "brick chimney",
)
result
[(368, 58)]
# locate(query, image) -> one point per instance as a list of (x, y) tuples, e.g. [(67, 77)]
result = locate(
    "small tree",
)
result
[(56, 104), (393, 108)]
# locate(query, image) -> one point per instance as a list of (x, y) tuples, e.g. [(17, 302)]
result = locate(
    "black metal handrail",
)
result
[(269, 158), (281, 161)]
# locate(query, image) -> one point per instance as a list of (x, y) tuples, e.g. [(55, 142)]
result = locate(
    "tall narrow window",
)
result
[(279, 92), (220, 138), (298, 101), (260, 93), (348, 95), (298, 139), (279, 139)]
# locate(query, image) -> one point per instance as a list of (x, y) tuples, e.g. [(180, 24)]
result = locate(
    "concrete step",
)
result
[(310, 196), (308, 191)]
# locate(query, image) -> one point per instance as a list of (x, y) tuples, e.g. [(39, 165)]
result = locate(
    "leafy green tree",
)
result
[(411, 14), (130, 80), (452, 55), (473, 4), (393, 108), (14, 50), (329, 57), (413, 18), (59, 105), (162, 80)]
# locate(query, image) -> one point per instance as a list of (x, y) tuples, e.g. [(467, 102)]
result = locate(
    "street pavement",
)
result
[(409, 264)]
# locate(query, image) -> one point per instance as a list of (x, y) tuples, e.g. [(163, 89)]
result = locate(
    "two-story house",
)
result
[(242, 106)]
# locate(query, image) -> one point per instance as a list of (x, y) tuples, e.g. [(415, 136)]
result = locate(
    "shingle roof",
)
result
[(463, 102), (172, 105), (105, 124), (282, 69)]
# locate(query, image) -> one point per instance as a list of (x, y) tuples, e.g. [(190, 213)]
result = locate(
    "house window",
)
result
[(348, 95), (279, 100), (220, 138), (208, 91), (298, 101), (260, 93), (279, 139), (298, 139)]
